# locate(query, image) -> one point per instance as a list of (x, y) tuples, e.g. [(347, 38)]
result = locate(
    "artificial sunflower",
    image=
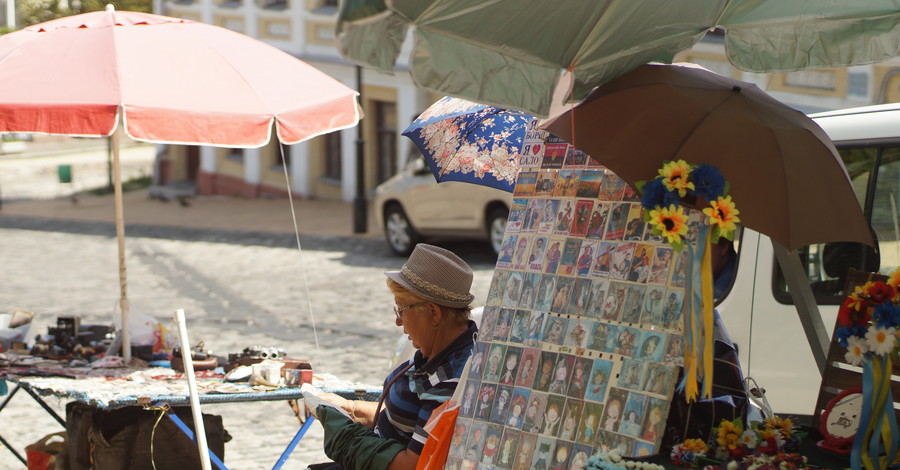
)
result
[(894, 280), (695, 445), (783, 425), (723, 215), (729, 435), (675, 177), (671, 223)]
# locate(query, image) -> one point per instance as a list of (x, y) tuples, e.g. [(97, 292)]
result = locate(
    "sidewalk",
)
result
[(314, 217), (29, 185)]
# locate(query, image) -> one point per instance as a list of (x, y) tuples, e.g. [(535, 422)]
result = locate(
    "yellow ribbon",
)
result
[(706, 284), (690, 375), (882, 383)]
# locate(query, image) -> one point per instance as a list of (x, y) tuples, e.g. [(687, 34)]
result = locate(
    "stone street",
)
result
[(326, 302)]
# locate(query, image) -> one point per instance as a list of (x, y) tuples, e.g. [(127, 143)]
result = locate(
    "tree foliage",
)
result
[(29, 12)]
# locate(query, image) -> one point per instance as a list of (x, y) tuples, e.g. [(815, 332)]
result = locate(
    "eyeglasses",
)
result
[(399, 310)]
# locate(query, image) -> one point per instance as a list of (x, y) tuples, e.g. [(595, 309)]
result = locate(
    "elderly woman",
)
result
[(431, 296)]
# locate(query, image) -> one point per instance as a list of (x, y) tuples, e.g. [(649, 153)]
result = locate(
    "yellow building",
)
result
[(323, 167)]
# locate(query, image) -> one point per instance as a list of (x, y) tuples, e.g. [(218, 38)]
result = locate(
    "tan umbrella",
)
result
[(786, 176)]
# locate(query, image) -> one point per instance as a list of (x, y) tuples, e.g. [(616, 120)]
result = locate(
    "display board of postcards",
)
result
[(580, 341)]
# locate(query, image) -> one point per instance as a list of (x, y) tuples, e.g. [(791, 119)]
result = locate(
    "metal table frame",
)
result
[(178, 400), (40, 401)]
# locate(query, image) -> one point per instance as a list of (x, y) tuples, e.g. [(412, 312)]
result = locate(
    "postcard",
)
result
[(582, 217)]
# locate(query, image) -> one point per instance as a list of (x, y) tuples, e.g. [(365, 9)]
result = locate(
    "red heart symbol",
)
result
[(536, 148)]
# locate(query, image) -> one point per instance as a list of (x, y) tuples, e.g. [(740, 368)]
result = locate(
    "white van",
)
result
[(758, 312)]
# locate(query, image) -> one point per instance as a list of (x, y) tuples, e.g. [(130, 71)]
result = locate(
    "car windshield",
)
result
[(875, 175)]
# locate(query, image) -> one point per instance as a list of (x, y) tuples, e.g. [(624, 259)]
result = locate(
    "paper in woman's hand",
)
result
[(311, 401)]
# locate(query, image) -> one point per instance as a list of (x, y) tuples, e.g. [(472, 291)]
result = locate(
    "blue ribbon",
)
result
[(885, 413), (693, 305), (875, 446), (865, 418), (687, 312)]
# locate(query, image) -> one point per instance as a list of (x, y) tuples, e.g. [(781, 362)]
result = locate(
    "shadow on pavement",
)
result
[(376, 251)]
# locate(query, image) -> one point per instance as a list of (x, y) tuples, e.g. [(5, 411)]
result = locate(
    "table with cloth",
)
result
[(108, 392)]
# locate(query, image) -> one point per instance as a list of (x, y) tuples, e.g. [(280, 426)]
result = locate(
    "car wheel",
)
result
[(496, 227), (398, 231)]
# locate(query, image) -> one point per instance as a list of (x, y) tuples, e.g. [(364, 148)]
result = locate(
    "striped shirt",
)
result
[(424, 387)]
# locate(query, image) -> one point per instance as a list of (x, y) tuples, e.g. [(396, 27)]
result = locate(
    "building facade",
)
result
[(326, 167), (323, 167)]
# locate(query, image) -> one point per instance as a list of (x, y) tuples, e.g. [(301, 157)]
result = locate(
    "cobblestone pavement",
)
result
[(238, 288)]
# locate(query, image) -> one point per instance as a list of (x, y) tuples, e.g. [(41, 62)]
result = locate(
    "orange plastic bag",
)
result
[(440, 433), (440, 428), (41, 455)]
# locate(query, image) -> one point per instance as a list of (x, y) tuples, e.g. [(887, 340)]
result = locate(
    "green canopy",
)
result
[(510, 53)]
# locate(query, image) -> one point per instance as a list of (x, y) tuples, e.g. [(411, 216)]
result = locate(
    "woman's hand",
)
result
[(337, 400), (362, 412)]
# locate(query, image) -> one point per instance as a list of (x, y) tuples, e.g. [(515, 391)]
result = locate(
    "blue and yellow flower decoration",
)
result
[(680, 183)]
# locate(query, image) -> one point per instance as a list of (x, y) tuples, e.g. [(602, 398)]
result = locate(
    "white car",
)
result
[(412, 207)]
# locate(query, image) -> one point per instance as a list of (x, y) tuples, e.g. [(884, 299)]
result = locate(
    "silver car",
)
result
[(412, 207)]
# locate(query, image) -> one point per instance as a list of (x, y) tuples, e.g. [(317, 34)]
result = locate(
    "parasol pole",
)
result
[(807, 309), (120, 236), (187, 358)]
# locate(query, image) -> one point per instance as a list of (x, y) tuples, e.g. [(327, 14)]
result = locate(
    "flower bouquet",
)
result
[(772, 444), (689, 453), (663, 198), (869, 320)]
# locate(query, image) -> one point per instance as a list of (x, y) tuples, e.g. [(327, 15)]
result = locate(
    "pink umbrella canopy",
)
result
[(168, 80), (172, 80)]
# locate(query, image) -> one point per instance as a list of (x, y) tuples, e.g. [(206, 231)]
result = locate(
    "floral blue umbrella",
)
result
[(470, 142)]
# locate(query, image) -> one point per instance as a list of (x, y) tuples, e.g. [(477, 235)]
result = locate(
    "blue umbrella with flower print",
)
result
[(470, 142)]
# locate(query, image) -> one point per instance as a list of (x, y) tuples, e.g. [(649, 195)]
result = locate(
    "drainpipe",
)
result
[(359, 202)]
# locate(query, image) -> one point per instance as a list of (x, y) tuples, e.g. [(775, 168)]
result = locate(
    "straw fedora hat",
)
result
[(436, 275)]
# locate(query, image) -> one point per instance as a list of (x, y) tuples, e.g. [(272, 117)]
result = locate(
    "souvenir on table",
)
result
[(581, 335)]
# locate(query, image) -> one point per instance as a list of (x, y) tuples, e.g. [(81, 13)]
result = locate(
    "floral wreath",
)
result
[(682, 183), (869, 320)]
